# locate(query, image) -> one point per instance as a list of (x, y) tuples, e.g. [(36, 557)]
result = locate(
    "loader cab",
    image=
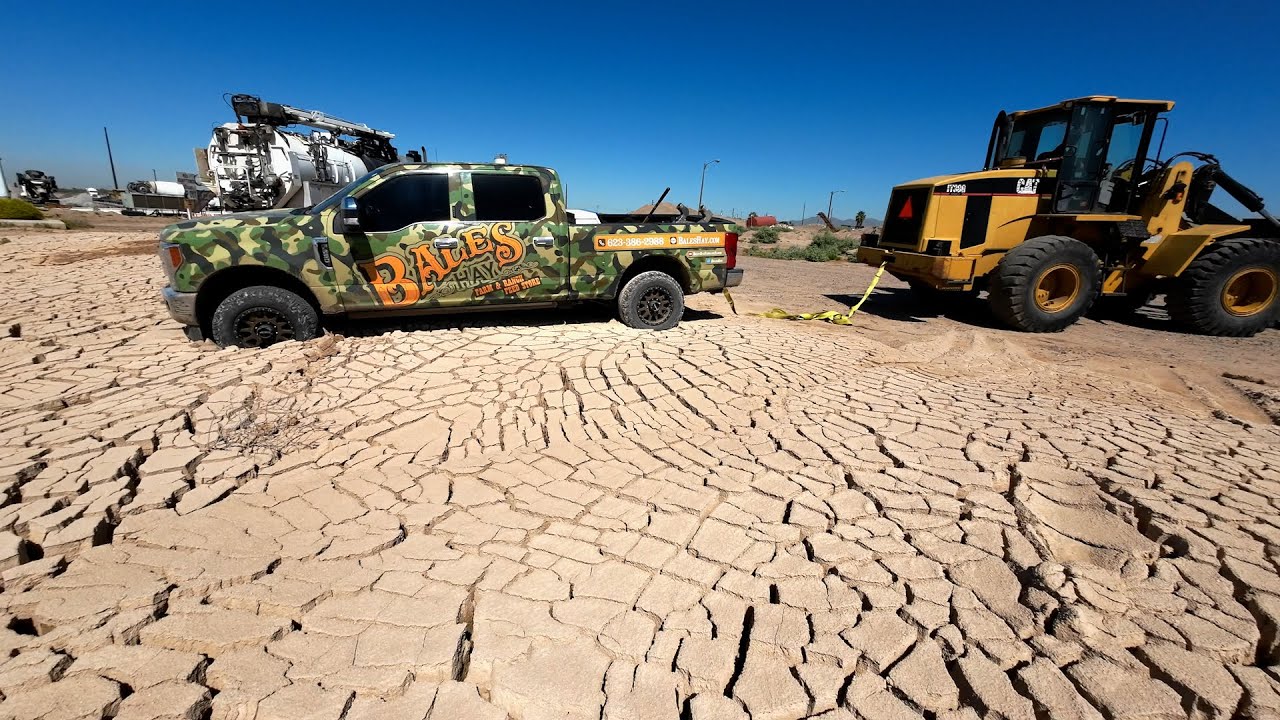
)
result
[(1093, 150)]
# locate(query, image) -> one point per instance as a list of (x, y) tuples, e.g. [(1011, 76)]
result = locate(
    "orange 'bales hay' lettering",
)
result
[(389, 277)]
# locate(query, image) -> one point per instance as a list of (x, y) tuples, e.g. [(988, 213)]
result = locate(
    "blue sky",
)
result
[(795, 99)]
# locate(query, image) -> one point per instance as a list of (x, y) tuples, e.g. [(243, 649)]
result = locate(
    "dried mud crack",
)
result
[(584, 521)]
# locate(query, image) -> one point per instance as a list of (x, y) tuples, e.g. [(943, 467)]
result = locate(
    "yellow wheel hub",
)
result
[(1057, 288), (1250, 291)]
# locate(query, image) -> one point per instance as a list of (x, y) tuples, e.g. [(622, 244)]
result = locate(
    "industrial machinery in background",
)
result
[(155, 197), (36, 186), (183, 195), (254, 163), (1070, 209), (157, 187)]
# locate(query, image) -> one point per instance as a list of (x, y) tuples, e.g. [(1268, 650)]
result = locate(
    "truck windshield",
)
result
[(1038, 136), (336, 198)]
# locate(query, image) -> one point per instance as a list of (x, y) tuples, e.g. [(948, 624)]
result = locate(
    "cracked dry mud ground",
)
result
[(738, 518)]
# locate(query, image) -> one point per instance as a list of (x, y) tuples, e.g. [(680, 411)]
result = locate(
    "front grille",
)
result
[(905, 217)]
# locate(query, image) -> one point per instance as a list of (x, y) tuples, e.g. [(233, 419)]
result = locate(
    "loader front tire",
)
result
[(1045, 284), (1231, 289)]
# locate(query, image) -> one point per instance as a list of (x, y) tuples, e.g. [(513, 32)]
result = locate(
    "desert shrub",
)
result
[(824, 247), (766, 235), (15, 209)]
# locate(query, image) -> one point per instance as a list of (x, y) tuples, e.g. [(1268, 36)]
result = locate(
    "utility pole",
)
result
[(115, 184), (4, 181), (703, 183), (804, 208), (831, 197)]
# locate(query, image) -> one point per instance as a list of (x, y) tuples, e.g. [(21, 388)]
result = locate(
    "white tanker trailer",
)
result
[(168, 188), (255, 165)]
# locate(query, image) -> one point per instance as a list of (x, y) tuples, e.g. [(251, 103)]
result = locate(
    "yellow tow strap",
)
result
[(830, 316), (729, 298)]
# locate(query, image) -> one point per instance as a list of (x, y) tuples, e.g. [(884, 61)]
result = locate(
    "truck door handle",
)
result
[(544, 241), (446, 242)]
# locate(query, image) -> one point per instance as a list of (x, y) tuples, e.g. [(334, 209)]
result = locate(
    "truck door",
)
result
[(406, 223), (517, 247)]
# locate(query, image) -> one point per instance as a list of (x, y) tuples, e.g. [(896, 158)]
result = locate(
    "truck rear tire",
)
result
[(262, 315), (1045, 284), (1231, 289), (652, 300)]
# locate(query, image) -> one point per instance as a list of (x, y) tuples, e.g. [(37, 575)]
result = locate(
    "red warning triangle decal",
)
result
[(905, 213)]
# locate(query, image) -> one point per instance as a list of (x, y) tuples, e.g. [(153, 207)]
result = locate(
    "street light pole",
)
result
[(703, 182), (831, 197)]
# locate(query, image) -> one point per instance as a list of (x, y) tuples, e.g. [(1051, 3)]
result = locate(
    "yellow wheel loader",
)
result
[(1070, 209)]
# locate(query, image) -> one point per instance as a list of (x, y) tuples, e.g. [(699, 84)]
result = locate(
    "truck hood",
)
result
[(236, 221)]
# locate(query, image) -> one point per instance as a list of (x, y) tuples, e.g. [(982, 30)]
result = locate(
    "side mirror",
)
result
[(350, 215)]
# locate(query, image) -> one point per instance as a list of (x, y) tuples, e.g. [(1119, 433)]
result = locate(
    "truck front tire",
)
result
[(1045, 284), (262, 315), (1232, 289), (652, 300)]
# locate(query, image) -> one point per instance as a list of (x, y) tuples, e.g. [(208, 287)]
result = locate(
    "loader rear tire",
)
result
[(1231, 289), (1045, 284)]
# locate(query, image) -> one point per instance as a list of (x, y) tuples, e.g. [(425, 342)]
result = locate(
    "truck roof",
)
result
[(464, 166)]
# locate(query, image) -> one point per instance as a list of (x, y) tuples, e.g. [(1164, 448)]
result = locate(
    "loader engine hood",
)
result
[(912, 218)]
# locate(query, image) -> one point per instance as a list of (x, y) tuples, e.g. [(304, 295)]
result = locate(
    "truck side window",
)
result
[(405, 200), (508, 196)]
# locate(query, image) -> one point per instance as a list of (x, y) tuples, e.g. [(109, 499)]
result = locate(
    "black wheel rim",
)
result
[(259, 327), (654, 306)]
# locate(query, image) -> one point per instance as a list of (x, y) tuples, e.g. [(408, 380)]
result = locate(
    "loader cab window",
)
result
[(1120, 169), (405, 200), (1080, 175), (1038, 137), (508, 196)]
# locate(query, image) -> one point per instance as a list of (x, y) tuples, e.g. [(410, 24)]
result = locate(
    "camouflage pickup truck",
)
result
[(423, 238)]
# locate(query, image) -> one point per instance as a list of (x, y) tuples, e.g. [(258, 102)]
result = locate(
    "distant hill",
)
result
[(870, 222)]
